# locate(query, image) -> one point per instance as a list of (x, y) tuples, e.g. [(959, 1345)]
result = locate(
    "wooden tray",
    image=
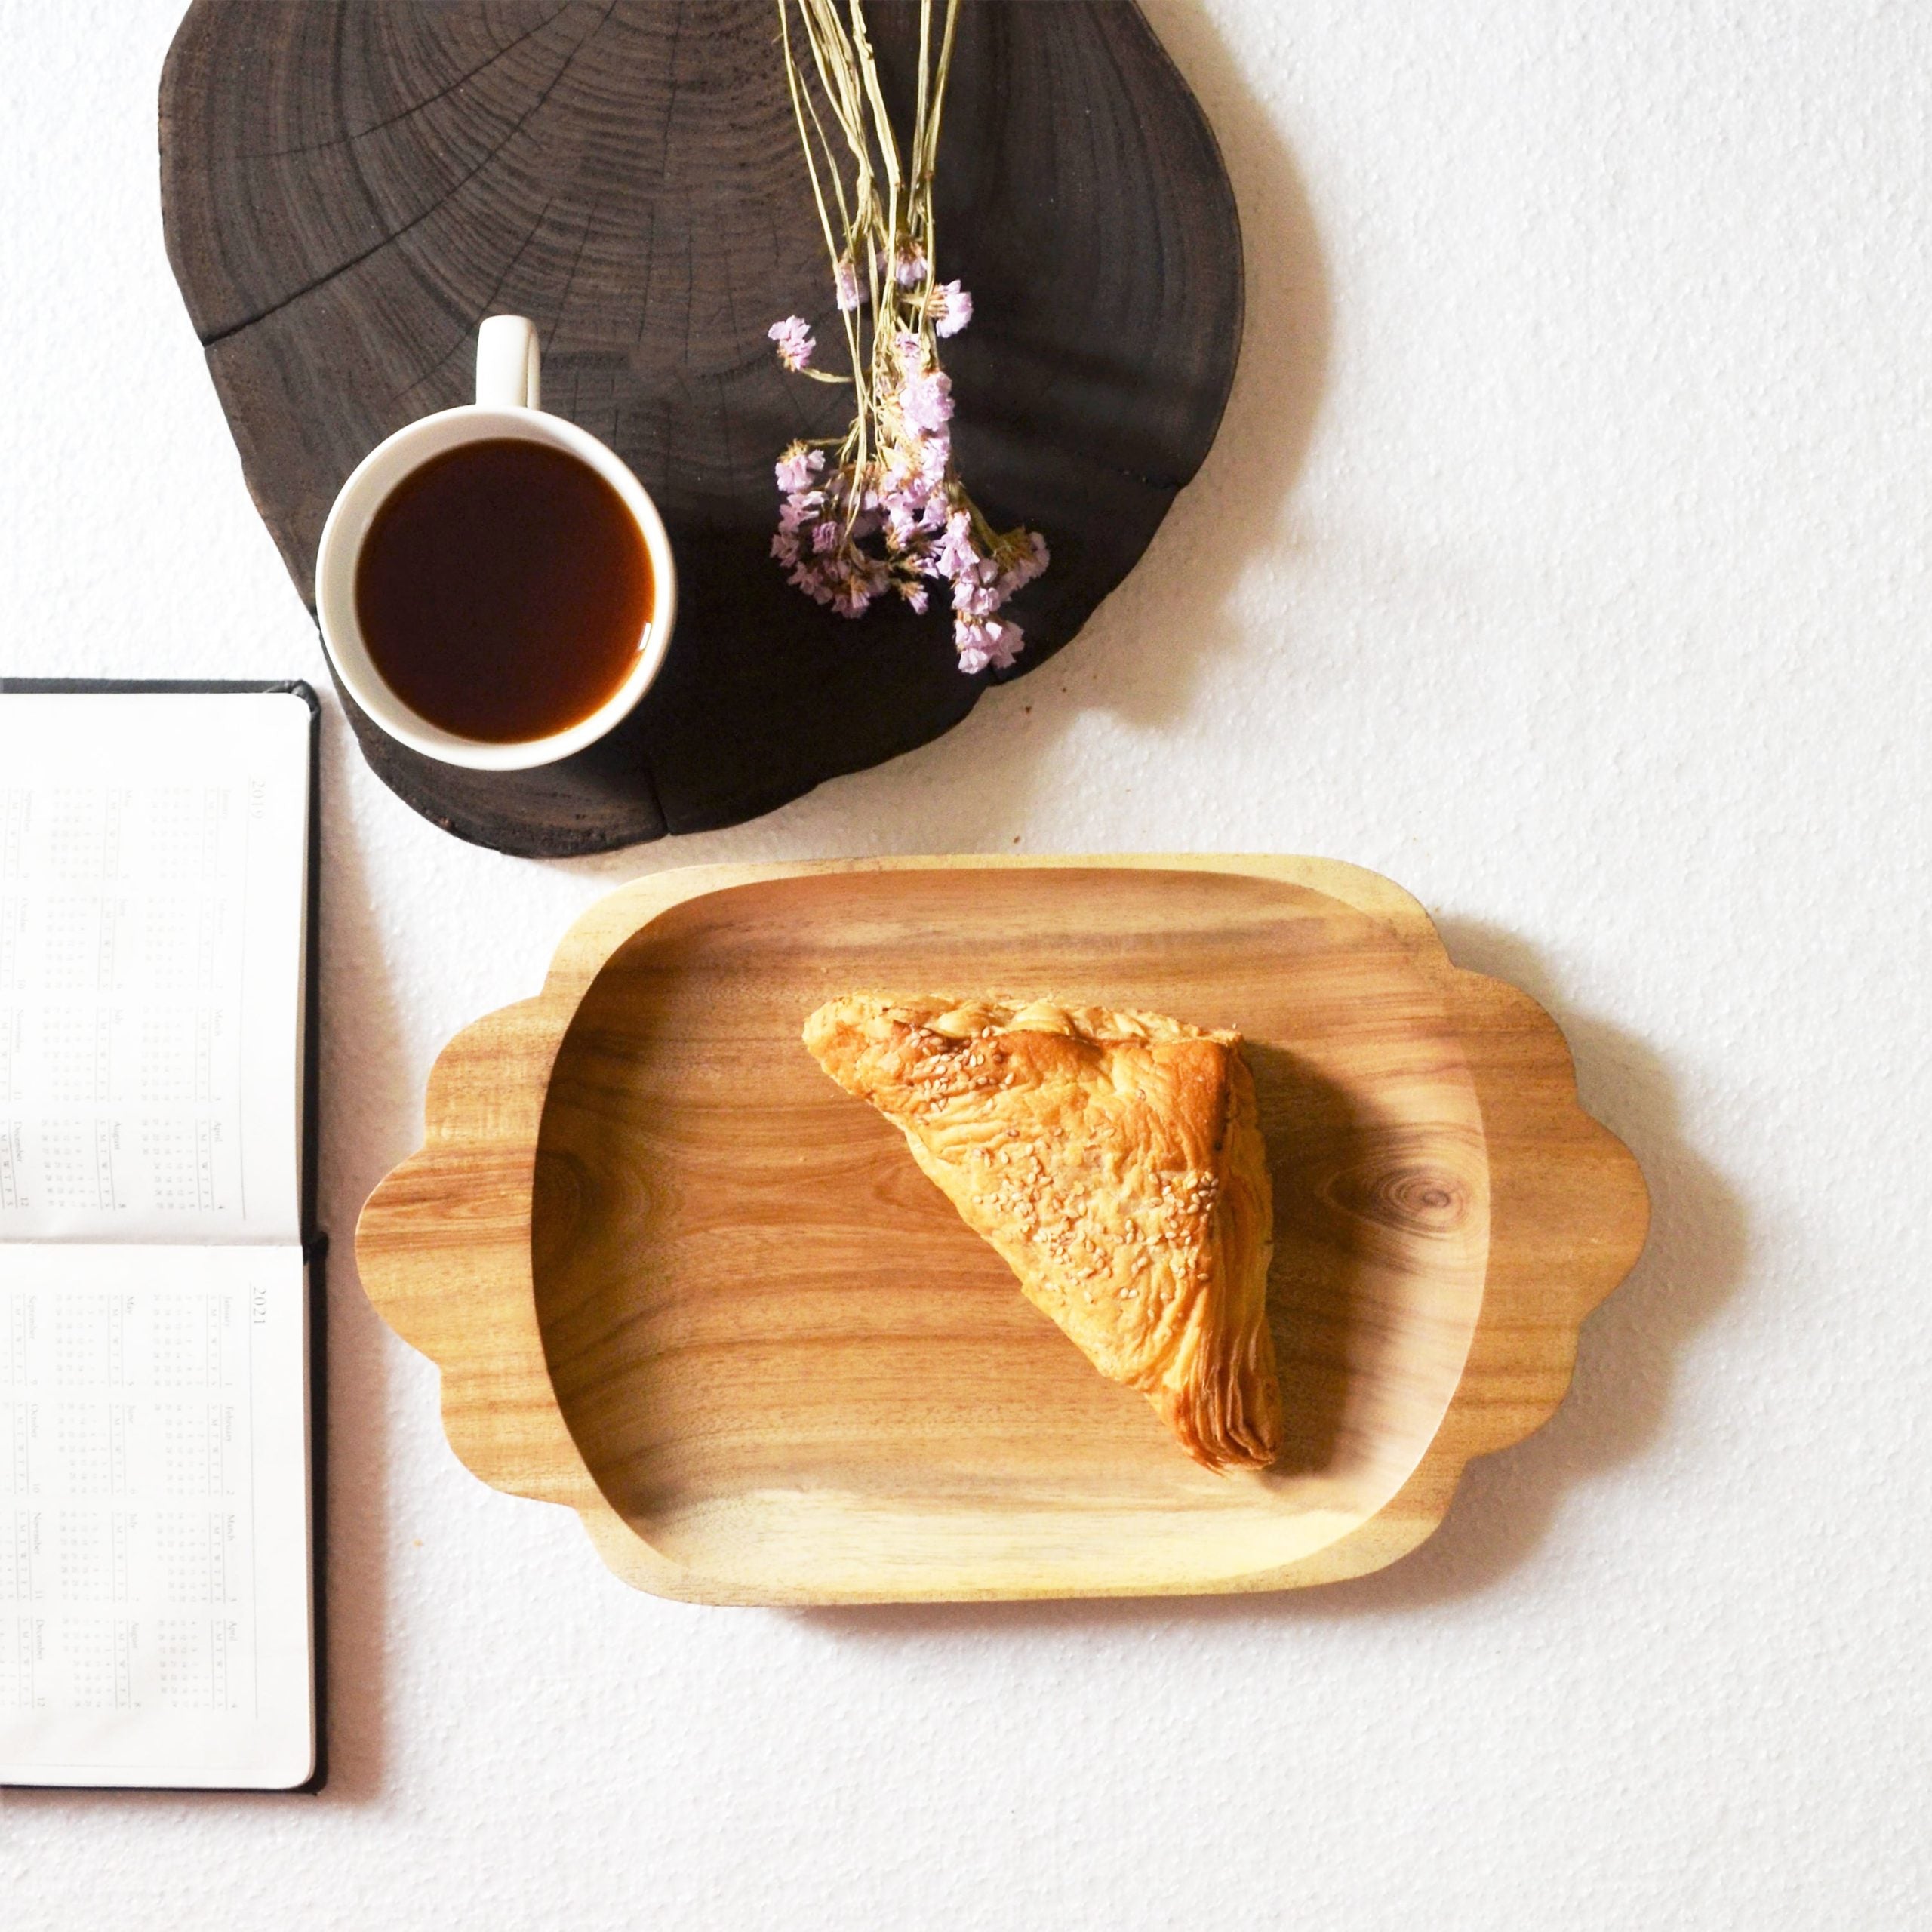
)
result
[(348, 190), (678, 1281)]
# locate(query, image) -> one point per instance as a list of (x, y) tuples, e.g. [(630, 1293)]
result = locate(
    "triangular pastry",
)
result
[(1115, 1161)]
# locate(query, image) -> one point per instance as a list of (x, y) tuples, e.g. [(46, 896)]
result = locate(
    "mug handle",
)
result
[(509, 363)]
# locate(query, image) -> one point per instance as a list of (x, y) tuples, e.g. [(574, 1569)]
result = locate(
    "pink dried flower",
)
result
[(981, 643), (799, 466), (926, 402), (864, 578), (807, 578), (951, 308), (972, 599), (801, 507), (1021, 565), (955, 555), (795, 346), (971, 642), (889, 511)]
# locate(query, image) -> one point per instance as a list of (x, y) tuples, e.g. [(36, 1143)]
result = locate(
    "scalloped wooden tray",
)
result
[(678, 1281)]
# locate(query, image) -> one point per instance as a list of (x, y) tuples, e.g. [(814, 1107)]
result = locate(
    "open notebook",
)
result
[(156, 1573)]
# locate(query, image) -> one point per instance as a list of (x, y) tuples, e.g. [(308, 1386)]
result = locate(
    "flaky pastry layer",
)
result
[(1114, 1160)]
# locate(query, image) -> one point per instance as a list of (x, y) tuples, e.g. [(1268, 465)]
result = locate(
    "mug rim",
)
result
[(370, 485)]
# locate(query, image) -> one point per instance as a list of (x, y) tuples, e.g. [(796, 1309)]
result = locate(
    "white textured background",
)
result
[(1563, 555)]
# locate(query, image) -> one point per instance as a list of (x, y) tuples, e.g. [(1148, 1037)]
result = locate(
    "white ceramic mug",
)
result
[(507, 404)]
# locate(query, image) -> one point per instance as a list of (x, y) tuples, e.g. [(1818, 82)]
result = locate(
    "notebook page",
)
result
[(154, 1596), (152, 899)]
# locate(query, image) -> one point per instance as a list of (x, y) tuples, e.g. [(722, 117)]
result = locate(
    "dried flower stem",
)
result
[(892, 484)]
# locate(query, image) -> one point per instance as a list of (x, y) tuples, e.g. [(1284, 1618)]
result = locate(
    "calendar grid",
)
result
[(127, 1496), (155, 1556), (122, 951)]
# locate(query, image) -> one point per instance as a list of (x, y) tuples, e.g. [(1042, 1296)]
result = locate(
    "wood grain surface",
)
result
[(678, 1281), (350, 185)]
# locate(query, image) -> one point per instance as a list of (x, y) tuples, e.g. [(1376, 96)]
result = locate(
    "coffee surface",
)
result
[(503, 590)]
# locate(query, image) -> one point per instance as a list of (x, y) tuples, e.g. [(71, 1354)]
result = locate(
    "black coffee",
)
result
[(503, 590)]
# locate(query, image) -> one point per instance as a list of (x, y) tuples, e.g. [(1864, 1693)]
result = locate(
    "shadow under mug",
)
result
[(507, 405)]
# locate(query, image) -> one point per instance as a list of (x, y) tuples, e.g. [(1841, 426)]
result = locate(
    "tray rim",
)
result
[(1546, 1272)]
